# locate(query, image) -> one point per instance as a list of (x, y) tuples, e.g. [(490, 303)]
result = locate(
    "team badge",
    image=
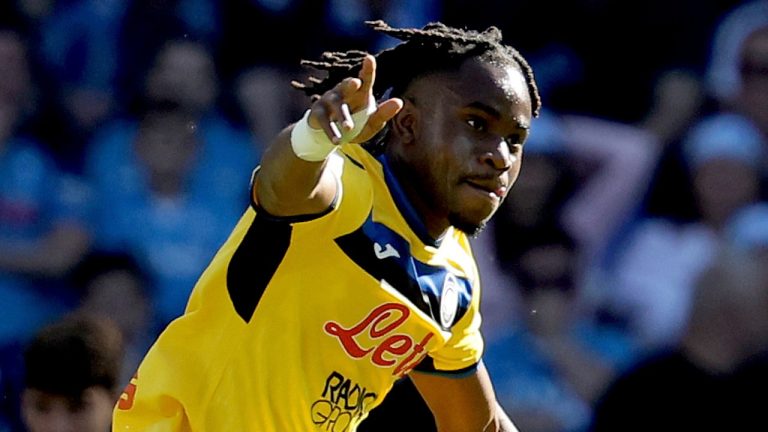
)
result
[(449, 300)]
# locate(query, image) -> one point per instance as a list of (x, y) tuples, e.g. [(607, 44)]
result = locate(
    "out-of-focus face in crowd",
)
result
[(184, 75), (754, 74), (48, 412)]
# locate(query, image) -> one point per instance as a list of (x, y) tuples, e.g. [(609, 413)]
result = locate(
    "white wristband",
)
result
[(313, 145), (308, 143)]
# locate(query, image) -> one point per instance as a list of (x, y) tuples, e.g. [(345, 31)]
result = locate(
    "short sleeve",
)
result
[(463, 350)]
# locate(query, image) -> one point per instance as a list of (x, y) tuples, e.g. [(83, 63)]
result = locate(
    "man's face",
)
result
[(184, 74), (47, 412), (467, 142), (167, 144)]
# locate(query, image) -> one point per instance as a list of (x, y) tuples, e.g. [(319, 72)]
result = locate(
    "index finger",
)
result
[(367, 73)]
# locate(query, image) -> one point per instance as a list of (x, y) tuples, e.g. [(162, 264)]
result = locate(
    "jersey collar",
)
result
[(404, 205)]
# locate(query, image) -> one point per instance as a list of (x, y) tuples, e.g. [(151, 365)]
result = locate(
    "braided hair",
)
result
[(432, 48)]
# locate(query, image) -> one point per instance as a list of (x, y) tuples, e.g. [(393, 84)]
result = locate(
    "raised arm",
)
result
[(625, 156), (463, 404), (288, 184)]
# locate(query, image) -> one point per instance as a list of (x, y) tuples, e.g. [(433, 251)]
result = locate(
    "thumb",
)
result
[(385, 111)]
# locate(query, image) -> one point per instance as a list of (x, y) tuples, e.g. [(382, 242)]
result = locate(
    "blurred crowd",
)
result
[(625, 278)]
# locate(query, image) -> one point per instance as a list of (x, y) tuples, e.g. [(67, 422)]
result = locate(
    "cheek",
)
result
[(439, 162), (443, 179), (514, 170)]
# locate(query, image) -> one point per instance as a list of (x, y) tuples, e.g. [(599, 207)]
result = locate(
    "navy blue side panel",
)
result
[(363, 251), (254, 263), (385, 255)]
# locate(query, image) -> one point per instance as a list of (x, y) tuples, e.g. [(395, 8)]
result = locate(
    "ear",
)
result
[(405, 124)]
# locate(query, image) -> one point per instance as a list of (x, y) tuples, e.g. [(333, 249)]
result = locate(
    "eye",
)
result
[(515, 139), (477, 124)]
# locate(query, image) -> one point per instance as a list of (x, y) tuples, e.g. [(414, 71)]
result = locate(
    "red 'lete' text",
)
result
[(389, 347)]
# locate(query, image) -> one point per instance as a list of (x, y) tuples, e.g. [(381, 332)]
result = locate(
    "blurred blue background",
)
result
[(129, 129)]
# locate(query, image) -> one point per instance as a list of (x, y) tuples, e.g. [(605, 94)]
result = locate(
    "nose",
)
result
[(499, 156)]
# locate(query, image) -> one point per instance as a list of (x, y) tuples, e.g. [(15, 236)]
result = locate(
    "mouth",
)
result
[(491, 187)]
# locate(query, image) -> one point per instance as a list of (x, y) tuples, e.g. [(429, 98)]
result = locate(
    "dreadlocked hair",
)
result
[(434, 47)]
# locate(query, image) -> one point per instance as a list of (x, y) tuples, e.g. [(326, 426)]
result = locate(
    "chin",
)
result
[(470, 228)]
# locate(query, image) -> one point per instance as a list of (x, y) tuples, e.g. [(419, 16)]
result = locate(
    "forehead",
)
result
[(500, 86)]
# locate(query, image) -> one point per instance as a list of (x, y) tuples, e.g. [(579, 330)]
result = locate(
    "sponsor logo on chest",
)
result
[(375, 338), (342, 403)]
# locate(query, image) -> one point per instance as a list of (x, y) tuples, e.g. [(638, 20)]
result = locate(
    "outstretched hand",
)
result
[(333, 112)]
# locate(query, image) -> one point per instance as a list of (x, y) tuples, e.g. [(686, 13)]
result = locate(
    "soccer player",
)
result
[(352, 266)]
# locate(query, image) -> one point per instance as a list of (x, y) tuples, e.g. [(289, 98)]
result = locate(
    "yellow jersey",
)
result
[(304, 324)]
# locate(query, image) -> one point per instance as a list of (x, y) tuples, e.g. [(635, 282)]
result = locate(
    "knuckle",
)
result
[(331, 97), (319, 110)]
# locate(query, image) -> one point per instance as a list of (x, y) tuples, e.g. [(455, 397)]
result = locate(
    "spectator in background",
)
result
[(697, 384), (654, 273), (679, 98), (176, 169), (72, 371), (738, 72), (151, 200), (748, 233), (736, 85), (723, 74), (42, 211), (144, 31), (114, 285), (554, 365), (183, 78), (751, 100), (78, 54)]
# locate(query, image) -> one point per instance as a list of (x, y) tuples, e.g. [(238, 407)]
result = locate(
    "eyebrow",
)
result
[(495, 113)]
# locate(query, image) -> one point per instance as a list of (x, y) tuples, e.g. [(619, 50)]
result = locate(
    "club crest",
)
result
[(449, 301)]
